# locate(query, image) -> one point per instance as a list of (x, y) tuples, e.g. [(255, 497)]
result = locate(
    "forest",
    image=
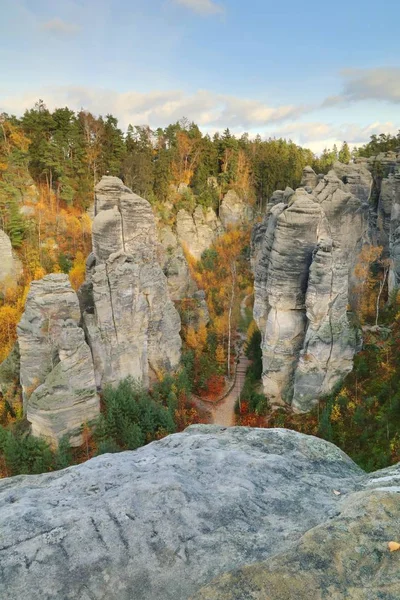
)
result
[(49, 164)]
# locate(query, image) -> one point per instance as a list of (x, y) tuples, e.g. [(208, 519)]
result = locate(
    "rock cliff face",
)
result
[(175, 266), (10, 266), (124, 324), (162, 522), (303, 257), (131, 323), (386, 171), (197, 232), (56, 375), (234, 211)]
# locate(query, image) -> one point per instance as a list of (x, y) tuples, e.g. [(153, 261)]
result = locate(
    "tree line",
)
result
[(69, 151)]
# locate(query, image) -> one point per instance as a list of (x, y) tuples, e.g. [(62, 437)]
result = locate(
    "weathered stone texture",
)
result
[(234, 211), (160, 522), (303, 257), (131, 323), (10, 265), (56, 368), (175, 266), (197, 232)]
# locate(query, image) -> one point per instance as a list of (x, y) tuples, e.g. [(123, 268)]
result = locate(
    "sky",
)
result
[(314, 71)]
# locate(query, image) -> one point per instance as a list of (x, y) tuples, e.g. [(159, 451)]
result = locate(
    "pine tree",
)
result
[(345, 154)]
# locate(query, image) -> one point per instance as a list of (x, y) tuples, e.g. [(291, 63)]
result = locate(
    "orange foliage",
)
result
[(77, 273), (187, 158), (55, 229), (214, 387), (366, 290)]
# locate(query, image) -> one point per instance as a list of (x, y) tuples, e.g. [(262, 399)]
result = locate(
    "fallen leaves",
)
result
[(393, 546)]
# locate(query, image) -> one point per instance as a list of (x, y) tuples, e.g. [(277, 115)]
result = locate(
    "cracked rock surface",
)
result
[(197, 231), (56, 368), (163, 521), (304, 253), (131, 323), (10, 265)]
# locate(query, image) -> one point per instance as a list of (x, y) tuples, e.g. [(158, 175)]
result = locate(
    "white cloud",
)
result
[(211, 111), (368, 84), (158, 108), (201, 7), (58, 26), (318, 135)]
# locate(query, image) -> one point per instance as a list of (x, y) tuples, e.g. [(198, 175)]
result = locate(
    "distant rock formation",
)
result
[(197, 232), (10, 265), (56, 368), (303, 256), (131, 323), (234, 211), (385, 209), (271, 513), (175, 266)]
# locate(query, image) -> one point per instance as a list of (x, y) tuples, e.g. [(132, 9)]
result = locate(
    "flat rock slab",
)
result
[(345, 558), (163, 521)]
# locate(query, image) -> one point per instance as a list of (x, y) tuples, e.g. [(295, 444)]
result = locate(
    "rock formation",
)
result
[(56, 368), (175, 266), (163, 521), (386, 171), (234, 211), (10, 266), (197, 232), (303, 257), (131, 323)]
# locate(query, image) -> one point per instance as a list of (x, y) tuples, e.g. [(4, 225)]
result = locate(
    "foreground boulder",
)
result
[(56, 368), (163, 521), (346, 558), (131, 323)]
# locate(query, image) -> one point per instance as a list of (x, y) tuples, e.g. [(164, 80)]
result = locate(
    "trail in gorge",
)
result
[(223, 412)]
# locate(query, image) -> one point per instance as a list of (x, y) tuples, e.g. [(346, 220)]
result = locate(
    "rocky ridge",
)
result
[(280, 511), (385, 209), (196, 232)]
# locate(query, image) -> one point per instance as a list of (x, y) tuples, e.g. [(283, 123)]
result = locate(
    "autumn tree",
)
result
[(371, 271)]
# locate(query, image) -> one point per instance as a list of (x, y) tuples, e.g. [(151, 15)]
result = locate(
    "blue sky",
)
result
[(315, 71)]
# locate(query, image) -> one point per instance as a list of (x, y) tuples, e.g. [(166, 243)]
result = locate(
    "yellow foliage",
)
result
[(9, 317), (220, 354), (191, 338), (335, 414), (77, 273), (365, 289), (202, 336)]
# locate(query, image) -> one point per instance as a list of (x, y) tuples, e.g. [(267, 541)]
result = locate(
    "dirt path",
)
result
[(224, 412)]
